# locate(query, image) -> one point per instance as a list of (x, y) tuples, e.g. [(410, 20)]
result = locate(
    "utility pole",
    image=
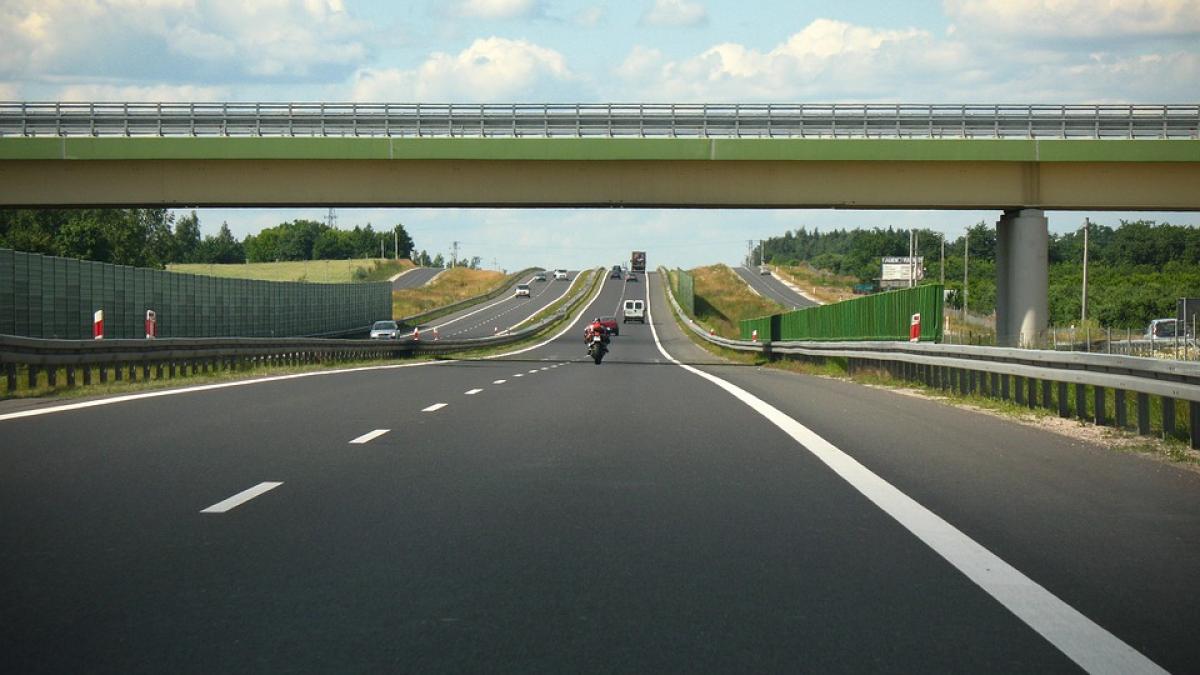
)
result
[(942, 261), (454, 254), (762, 252), (381, 248), (749, 252), (331, 218), (966, 260), (1087, 225), (395, 244)]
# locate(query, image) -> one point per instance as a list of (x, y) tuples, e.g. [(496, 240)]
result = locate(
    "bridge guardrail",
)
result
[(171, 357), (579, 120), (1024, 375)]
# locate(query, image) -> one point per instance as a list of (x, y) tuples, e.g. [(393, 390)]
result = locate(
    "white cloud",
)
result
[(490, 69), (10, 91), (1059, 19), (495, 9), (675, 13), (156, 40)]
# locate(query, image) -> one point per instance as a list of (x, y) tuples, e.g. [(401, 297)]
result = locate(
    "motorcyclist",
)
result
[(595, 328)]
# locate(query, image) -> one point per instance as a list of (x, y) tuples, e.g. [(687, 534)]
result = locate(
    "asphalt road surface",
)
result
[(419, 276), (773, 289), (538, 513), (504, 312)]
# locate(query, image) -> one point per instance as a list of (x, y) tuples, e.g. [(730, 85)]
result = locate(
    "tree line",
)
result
[(156, 238), (1136, 270)]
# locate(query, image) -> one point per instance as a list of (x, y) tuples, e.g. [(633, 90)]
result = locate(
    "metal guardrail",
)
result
[(1024, 375), (173, 357), (587, 120)]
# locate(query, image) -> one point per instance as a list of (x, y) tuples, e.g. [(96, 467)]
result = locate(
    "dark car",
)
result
[(616, 272), (610, 322), (632, 276)]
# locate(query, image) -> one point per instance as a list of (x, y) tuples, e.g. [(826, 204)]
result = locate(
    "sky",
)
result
[(503, 51)]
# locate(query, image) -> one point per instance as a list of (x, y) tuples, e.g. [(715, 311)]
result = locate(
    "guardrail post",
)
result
[(32, 371), (1194, 423), (171, 369), (1119, 404), (1046, 402), (10, 375), (1004, 386), (1143, 413), (103, 368), (158, 370), (1081, 401), (1031, 395), (1064, 408), (87, 375), (1020, 390), (146, 371), (117, 373), (132, 373), (52, 376), (1168, 416), (1101, 413), (70, 376)]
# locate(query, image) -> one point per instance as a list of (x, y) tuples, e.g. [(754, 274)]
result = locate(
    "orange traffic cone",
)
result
[(417, 334)]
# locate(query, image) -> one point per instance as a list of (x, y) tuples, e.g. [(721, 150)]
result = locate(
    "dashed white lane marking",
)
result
[(435, 406), (472, 392), (519, 375), (370, 436), (534, 371), (1083, 641), (241, 497), (499, 381), (544, 368)]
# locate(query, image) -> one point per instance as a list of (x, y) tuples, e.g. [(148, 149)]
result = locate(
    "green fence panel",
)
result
[(685, 291), (883, 316), (45, 296)]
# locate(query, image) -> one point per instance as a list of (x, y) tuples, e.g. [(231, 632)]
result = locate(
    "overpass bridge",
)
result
[(1016, 159)]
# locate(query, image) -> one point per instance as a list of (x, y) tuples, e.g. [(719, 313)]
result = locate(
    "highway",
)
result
[(539, 513), (418, 276), (773, 289), (504, 312)]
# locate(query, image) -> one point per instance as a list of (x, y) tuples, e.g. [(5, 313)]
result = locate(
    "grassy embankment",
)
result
[(453, 285), (313, 271), (723, 299), (824, 286)]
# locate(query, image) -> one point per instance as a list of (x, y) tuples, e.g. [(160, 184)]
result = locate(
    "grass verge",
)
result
[(454, 285), (313, 271), (723, 299)]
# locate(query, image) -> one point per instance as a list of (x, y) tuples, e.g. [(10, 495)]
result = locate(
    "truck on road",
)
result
[(637, 261)]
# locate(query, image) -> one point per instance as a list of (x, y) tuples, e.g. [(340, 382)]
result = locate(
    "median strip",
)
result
[(242, 497)]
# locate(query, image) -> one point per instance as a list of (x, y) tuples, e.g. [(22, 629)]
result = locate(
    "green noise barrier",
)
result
[(685, 291), (883, 316), (55, 298)]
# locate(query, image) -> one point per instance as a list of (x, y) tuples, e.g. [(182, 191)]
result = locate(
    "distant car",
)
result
[(560, 275), (616, 272), (763, 269), (634, 310), (632, 276), (522, 290), (610, 322), (540, 276), (385, 330), (1160, 328)]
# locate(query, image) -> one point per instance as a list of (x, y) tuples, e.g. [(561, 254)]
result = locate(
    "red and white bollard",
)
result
[(495, 330), (914, 328), (435, 334), (151, 324), (98, 325), (416, 336), (754, 335)]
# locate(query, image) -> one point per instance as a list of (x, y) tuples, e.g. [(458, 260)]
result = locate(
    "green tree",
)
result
[(187, 238)]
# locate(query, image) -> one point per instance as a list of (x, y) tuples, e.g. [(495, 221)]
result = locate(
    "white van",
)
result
[(635, 310)]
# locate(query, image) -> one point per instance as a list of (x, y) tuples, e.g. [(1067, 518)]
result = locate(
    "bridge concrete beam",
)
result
[(859, 184), (1022, 277)]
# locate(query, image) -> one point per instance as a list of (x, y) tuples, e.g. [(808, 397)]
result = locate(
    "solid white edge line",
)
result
[(370, 436), (1082, 640), (241, 497), (434, 407), (205, 387), (472, 392)]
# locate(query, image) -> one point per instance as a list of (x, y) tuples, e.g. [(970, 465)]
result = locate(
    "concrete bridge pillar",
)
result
[(1022, 277)]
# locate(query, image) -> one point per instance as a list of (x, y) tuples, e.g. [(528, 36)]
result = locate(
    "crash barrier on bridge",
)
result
[(425, 317), (605, 120), (56, 298), (34, 362), (882, 316), (685, 289), (1107, 389)]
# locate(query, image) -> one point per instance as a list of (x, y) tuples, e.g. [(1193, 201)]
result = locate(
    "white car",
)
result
[(560, 275), (385, 330), (763, 269), (522, 290)]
